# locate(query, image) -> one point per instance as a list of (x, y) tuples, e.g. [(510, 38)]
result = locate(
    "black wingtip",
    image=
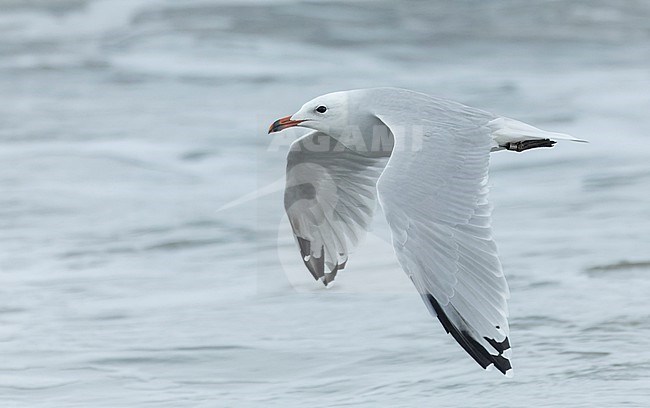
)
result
[(499, 346), (329, 277), (471, 346), (316, 266)]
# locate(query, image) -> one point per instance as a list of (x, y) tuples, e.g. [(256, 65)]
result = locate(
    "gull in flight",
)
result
[(425, 161)]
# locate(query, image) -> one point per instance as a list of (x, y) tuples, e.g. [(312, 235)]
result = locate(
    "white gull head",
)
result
[(347, 116)]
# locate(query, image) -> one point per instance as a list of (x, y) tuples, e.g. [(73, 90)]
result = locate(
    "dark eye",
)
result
[(321, 109)]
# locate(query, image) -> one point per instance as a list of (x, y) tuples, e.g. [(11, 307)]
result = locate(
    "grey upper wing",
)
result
[(330, 198), (434, 194)]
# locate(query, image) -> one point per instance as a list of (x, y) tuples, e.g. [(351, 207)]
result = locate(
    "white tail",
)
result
[(506, 130)]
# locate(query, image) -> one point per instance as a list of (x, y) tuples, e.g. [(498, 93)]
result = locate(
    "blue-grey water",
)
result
[(125, 126)]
